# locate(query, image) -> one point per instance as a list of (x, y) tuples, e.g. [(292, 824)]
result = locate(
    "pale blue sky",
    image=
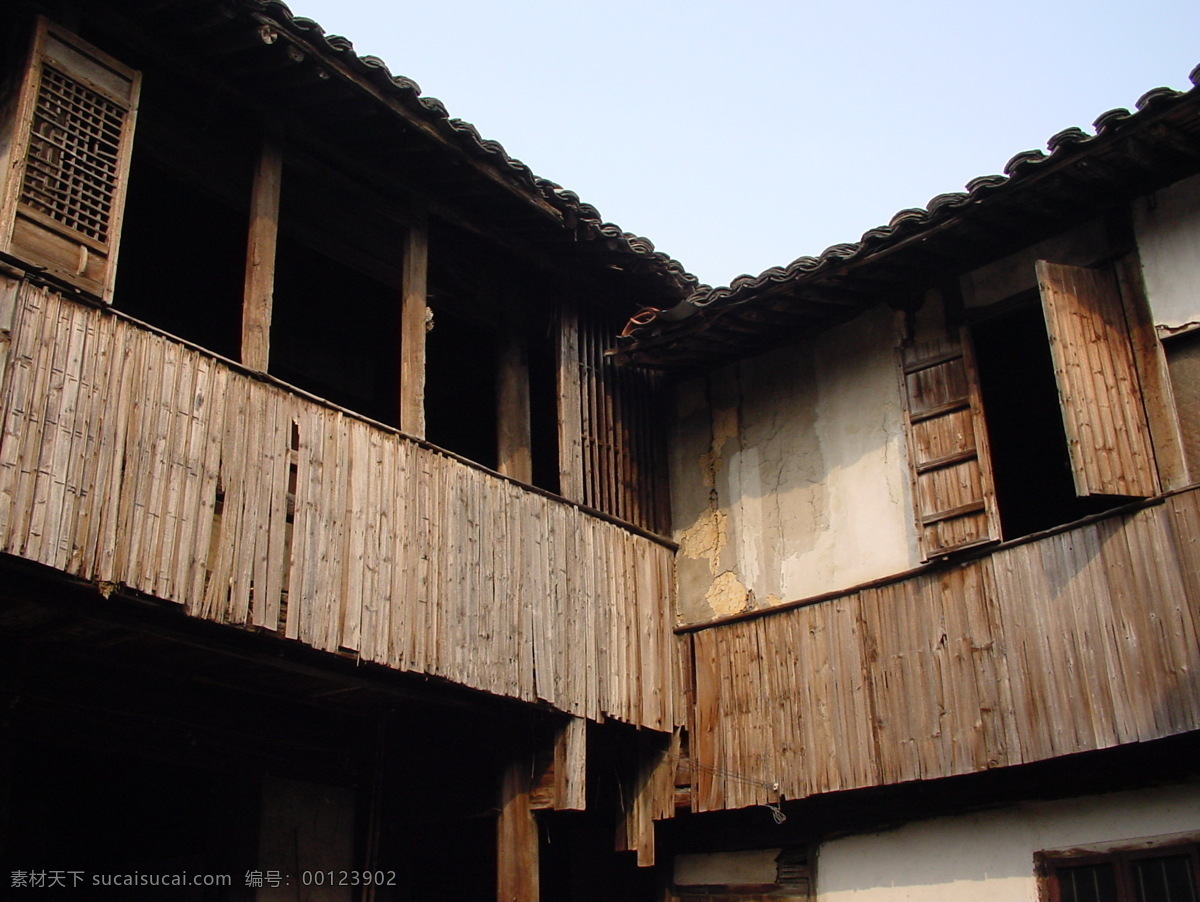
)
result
[(739, 137)]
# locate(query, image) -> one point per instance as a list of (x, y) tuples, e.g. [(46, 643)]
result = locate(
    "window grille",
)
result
[(72, 162)]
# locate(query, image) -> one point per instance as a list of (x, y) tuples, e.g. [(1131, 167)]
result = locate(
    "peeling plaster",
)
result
[(706, 538), (793, 481), (727, 595)]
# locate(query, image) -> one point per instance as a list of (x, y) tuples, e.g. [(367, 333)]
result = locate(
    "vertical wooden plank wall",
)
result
[(1080, 640), (624, 468), (128, 458)]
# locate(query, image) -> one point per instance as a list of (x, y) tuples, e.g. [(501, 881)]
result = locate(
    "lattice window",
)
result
[(72, 135), (72, 162)]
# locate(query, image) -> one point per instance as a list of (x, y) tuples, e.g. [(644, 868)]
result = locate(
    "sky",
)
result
[(737, 137)]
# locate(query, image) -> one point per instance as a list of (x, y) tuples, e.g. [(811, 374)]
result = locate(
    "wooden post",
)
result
[(570, 766), (260, 258), (413, 319), (570, 423), (513, 454), (516, 836)]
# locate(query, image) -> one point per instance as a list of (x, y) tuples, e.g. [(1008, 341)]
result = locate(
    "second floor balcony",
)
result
[(139, 464)]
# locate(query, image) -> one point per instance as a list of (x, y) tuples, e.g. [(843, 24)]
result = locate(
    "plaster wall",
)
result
[(1167, 228), (789, 476), (988, 856), (999, 280)]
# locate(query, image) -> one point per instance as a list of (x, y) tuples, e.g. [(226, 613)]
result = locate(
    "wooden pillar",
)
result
[(570, 422), (413, 320), (513, 452), (260, 258), (570, 766), (516, 835)]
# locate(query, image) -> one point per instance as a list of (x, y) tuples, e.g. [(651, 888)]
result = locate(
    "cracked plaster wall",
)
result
[(788, 473), (1167, 226)]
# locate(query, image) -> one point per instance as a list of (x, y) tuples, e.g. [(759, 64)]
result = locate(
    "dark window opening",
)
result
[(182, 259), (335, 323), (1088, 883), (543, 406), (479, 297), (460, 387), (1030, 463), (335, 332), (183, 237)]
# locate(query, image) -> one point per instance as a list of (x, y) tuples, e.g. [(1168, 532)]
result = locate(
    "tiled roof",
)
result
[(584, 219), (1129, 152)]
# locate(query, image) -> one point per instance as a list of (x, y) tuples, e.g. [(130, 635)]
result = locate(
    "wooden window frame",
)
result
[(83, 257), (1048, 864), (1122, 441)]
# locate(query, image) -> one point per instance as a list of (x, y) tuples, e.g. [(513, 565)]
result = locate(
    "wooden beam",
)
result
[(413, 320), (260, 258), (513, 442), (516, 836)]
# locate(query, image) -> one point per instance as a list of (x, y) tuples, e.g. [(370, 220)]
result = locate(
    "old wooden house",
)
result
[(337, 556), (332, 539), (935, 494)]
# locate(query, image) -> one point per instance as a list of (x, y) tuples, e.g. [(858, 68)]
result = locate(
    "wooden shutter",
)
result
[(1098, 387), (947, 443), (72, 137)]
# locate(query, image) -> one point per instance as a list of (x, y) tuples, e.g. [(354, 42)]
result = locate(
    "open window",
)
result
[(183, 247), (71, 126), (490, 390), (1052, 373), (334, 327)]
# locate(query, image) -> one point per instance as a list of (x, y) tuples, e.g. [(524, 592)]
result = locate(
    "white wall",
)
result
[(1167, 226), (988, 856), (789, 476)]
